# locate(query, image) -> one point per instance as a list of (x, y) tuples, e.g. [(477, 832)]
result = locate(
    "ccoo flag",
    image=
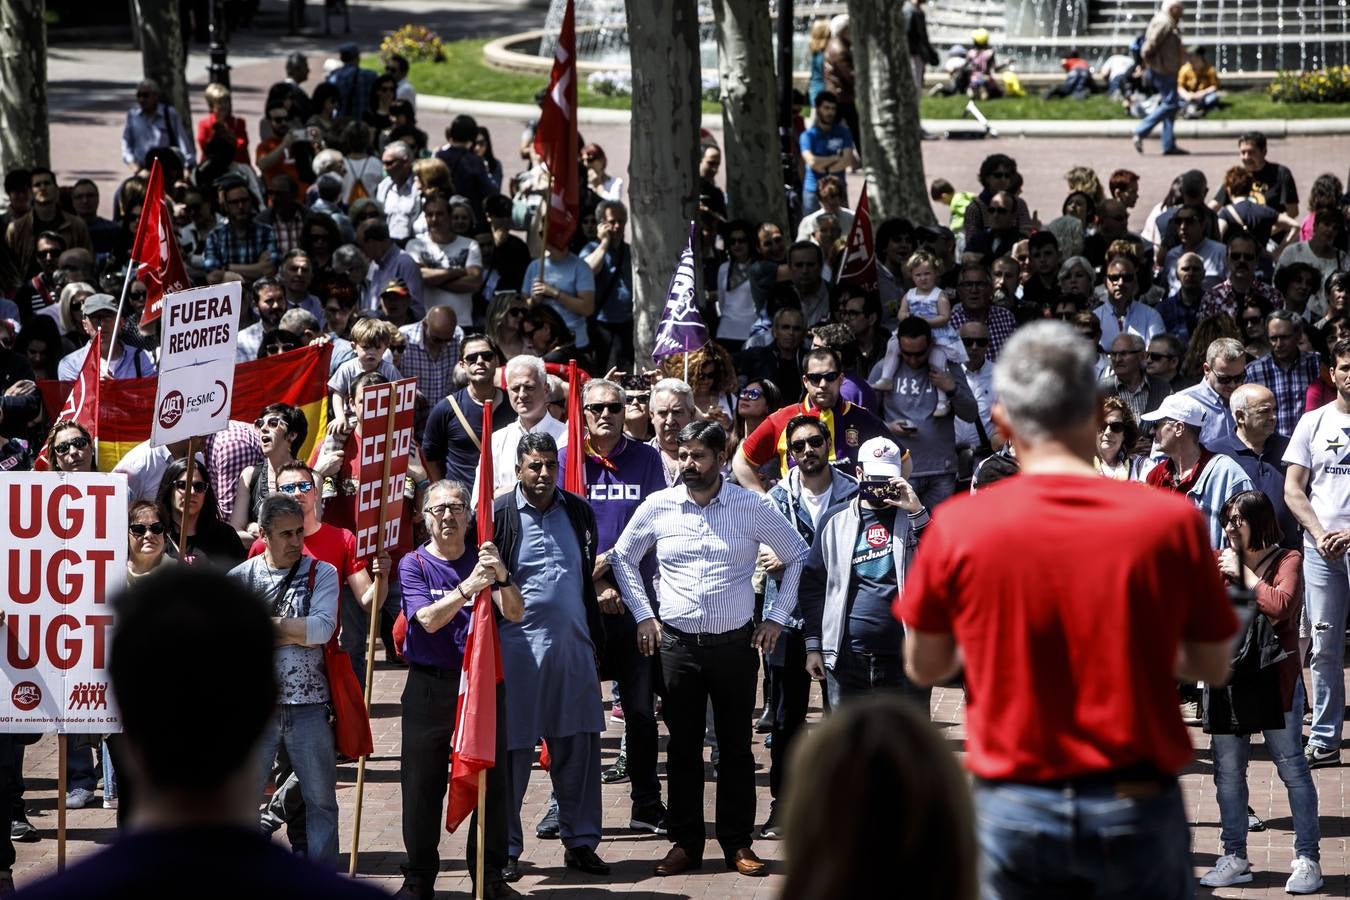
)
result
[(681, 328)]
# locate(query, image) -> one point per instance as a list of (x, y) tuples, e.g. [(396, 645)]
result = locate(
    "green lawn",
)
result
[(465, 75)]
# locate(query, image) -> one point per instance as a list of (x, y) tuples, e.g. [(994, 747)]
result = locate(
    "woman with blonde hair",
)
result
[(69, 315), (505, 314), (875, 781), (220, 120), (815, 49)]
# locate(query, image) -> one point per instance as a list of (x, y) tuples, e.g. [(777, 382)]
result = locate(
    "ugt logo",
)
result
[(88, 695)]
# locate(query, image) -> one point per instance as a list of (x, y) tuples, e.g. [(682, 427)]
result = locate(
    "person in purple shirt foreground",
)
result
[(620, 474)]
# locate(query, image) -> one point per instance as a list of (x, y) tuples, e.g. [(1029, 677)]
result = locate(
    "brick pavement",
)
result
[(632, 855)]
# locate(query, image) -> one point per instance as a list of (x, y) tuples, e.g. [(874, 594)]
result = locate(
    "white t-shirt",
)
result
[(815, 504), (1321, 444), (461, 253)]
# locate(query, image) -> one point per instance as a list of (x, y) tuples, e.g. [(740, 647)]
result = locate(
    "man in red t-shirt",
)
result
[(849, 425), (1073, 636)]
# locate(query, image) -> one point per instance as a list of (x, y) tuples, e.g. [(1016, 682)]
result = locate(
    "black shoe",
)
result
[(584, 858), (1176, 151), (22, 830), (411, 891), (764, 724), (496, 890), (511, 871), (771, 830), (649, 817), (617, 773), (1254, 822), (548, 827)]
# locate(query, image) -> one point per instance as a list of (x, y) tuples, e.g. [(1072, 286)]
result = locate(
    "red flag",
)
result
[(82, 403), (156, 249), (574, 479), (858, 268), (475, 742), (555, 139)]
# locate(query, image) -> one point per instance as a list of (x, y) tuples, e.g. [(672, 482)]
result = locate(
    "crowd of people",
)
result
[(753, 506)]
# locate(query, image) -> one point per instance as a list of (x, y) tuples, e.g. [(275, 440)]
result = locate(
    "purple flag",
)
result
[(681, 327)]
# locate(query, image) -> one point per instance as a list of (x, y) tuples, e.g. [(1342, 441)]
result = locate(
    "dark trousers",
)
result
[(636, 675), (429, 704), (857, 674), (725, 674), (611, 347), (791, 685), (11, 795)]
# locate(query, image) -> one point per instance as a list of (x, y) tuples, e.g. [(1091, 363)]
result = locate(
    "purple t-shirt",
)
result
[(427, 578), (617, 486), (857, 391)]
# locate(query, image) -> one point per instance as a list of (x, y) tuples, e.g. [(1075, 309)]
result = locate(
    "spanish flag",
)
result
[(125, 406)]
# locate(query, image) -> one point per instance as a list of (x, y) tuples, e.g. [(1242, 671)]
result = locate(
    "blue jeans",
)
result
[(1326, 590), (308, 738), (858, 674), (1169, 103), (810, 202), (1057, 843), (933, 489), (1286, 751)]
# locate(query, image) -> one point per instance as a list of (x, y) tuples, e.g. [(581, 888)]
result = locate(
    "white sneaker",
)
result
[(78, 798), (1307, 877), (1229, 870)]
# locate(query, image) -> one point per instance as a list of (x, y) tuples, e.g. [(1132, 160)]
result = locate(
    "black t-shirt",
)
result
[(1272, 185), (1253, 216), (206, 863), (213, 542), (871, 627), (510, 259), (445, 440)]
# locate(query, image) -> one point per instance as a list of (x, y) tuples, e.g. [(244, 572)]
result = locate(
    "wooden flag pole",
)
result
[(187, 496), (61, 802), (482, 816), (374, 630)]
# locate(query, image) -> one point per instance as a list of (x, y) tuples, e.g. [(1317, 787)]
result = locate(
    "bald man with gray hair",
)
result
[(1258, 448)]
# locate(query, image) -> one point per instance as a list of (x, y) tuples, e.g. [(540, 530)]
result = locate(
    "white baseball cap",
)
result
[(880, 456), (1178, 408)]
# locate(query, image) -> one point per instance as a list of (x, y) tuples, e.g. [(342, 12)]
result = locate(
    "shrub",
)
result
[(1330, 85), (415, 43)]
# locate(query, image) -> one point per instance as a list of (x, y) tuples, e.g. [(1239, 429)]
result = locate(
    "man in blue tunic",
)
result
[(547, 539)]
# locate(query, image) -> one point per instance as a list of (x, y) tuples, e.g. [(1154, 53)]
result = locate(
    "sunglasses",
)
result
[(1113, 427), (1241, 257), (752, 394), (482, 356), (269, 422), (198, 487), (597, 409), (1120, 276), (78, 443), (441, 509), (639, 399), (975, 342), (822, 377), (276, 349), (302, 487), (998, 210), (1253, 320), (1239, 378), (140, 528), (815, 442), (278, 122), (1159, 357)]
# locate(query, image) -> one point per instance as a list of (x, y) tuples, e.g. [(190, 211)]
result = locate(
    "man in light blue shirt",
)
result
[(152, 124), (568, 286), (1225, 368)]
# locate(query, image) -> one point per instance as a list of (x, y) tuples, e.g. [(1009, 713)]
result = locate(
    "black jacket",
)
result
[(19, 410), (506, 535)]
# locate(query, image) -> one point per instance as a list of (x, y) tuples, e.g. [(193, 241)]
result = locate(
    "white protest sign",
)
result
[(67, 555), (196, 364)]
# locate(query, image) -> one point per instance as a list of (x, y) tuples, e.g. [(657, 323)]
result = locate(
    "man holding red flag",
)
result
[(156, 249)]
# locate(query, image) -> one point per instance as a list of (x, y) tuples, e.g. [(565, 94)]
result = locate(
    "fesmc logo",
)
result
[(175, 405), (26, 696)]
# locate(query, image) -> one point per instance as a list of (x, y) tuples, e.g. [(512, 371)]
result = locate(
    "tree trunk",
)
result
[(163, 56), (888, 109), (24, 140), (663, 154), (745, 69)]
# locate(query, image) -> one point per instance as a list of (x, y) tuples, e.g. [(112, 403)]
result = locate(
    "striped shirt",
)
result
[(1290, 386), (227, 247), (706, 556)]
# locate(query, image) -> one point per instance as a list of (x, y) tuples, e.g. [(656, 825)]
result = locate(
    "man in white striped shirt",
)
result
[(706, 533)]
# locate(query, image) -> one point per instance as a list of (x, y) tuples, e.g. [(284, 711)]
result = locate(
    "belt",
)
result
[(1141, 779), (705, 639), (434, 671)]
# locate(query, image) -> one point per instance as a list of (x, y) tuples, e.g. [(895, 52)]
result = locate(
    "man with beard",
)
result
[(706, 533), (269, 302)]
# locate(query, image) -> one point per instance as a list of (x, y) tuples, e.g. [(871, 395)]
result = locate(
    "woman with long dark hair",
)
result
[(206, 537)]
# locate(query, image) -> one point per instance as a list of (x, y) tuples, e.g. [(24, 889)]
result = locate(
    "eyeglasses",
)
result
[(752, 394), (597, 409), (738, 239), (76, 443), (270, 422), (440, 509), (1120, 354), (1159, 357), (639, 399), (815, 442), (303, 487), (1113, 427), (1121, 276), (140, 528), (1234, 522), (1253, 320), (198, 487), (822, 377), (51, 251), (482, 356), (975, 341), (1241, 257), (998, 210), (971, 285), (1239, 378)]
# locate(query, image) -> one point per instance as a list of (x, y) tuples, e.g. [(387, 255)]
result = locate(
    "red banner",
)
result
[(858, 268), (156, 249), (574, 479), (555, 140), (384, 433)]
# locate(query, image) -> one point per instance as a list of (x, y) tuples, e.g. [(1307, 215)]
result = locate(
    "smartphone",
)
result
[(879, 490)]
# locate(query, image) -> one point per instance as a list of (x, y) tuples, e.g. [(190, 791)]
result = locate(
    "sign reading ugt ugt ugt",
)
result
[(196, 363), (66, 556)]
